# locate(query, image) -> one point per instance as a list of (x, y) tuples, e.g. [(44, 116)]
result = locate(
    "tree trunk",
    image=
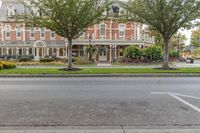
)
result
[(166, 54), (70, 67)]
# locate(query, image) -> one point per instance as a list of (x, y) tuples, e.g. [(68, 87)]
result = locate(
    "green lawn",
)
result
[(97, 71)]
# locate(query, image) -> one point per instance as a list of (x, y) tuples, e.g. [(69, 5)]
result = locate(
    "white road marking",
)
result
[(159, 93), (176, 96), (187, 96), (185, 102)]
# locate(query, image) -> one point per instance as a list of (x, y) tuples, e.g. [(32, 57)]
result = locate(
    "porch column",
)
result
[(57, 52), (43, 52), (17, 51), (47, 52), (33, 51), (115, 52), (27, 51), (37, 52), (7, 51), (1, 51)]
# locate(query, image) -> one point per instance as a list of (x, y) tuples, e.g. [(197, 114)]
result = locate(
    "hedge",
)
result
[(153, 53), (7, 65), (133, 52)]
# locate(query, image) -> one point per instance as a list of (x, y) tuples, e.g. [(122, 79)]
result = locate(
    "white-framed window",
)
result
[(102, 30), (32, 32), (42, 32), (7, 31), (11, 11), (121, 30), (18, 31), (53, 34)]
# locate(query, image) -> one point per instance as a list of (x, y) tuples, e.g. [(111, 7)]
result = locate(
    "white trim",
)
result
[(52, 38), (32, 38), (102, 36), (5, 32), (43, 38), (123, 37), (18, 37)]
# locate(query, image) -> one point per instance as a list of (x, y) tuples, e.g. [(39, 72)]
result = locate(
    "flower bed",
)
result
[(7, 65)]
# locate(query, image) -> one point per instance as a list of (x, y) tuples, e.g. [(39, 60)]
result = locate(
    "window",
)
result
[(11, 11), (32, 32), (7, 31), (53, 34), (42, 32), (18, 31), (103, 30), (121, 30)]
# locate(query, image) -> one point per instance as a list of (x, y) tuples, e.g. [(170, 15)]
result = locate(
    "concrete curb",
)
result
[(106, 131), (94, 75)]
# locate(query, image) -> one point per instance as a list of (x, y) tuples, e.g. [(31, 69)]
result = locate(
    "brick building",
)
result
[(109, 37)]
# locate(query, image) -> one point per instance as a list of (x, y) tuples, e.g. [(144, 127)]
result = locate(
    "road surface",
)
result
[(100, 102)]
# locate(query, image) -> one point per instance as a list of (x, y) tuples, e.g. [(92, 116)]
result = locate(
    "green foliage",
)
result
[(82, 61), (173, 54), (164, 16), (7, 65), (133, 52), (195, 38), (25, 58), (196, 53), (86, 49), (68, 18), (47, 59), (153, 53)]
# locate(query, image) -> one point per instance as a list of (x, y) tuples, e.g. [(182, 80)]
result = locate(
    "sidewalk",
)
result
[(117, 129), (177, 65), (97, 75)]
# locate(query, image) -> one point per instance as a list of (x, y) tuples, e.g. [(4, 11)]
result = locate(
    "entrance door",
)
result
[(103, 54)]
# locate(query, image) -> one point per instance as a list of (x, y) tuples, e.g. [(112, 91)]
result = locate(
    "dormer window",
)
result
[(11, 11)]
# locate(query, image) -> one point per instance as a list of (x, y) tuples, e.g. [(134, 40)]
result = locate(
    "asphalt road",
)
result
[(99, 102)]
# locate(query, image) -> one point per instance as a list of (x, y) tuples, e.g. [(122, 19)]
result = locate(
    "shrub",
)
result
[(47, 59), (133, 52), (173, 54), (196, 53), (7, 65), (153, 53), (124, 60), (82, 61), (25, 58), (73, 59), (1, 66)]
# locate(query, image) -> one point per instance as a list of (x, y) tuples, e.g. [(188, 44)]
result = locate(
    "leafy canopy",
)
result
[(68, 18), (166, 16)]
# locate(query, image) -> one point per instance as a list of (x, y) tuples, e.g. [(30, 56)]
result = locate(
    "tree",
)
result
[(177, 42), (195, 39), (68, 18), (165, 16)]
